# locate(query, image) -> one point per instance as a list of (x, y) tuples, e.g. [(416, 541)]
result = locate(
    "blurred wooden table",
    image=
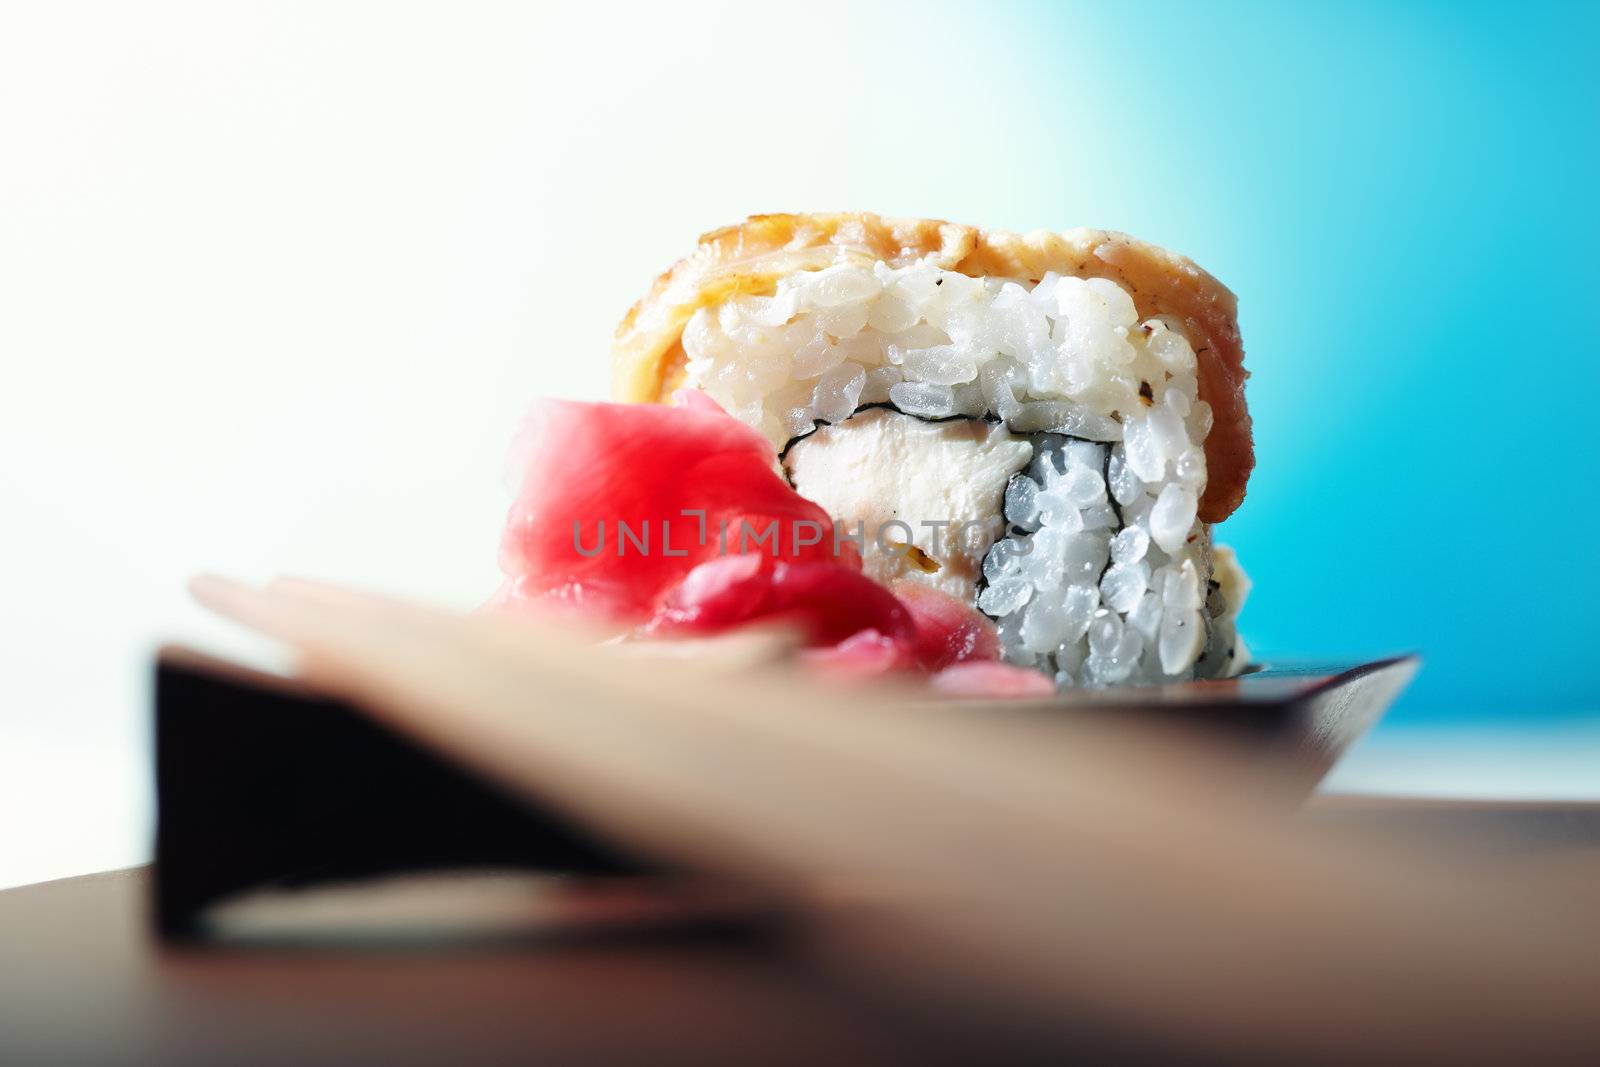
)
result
[(81, 980)]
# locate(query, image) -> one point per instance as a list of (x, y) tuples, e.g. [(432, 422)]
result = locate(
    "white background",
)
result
[(276, 283)]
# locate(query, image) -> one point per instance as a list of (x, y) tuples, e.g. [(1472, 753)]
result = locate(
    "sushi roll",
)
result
[(1046, 426)]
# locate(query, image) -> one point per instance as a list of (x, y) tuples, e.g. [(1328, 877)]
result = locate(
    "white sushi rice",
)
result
[(1108, 576)]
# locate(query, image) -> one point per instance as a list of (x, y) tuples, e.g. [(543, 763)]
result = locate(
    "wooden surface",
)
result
[(83, 982)]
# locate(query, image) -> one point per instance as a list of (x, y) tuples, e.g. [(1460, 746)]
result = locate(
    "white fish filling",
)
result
[(1108, 576), (897, 480)]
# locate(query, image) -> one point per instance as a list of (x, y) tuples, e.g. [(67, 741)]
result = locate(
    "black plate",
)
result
[(262, 784)]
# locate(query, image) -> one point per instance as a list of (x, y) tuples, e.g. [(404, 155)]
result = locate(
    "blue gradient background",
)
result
[(1404, 198)]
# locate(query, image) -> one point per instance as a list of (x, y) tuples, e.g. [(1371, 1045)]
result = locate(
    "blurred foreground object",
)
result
[(1092, 883)]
